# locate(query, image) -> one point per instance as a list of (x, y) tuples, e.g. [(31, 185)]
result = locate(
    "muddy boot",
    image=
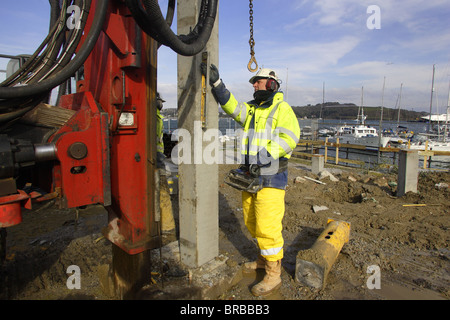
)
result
[(251, 267), (271, 281)]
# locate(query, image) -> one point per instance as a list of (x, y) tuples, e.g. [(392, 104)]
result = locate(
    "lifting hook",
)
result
[(252, 61)]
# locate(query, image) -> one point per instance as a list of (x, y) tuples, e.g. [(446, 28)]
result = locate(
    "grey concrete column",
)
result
[(408, 171), (317, 163), (198, 174)]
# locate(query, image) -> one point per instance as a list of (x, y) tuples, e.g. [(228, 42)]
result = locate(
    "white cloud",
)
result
[(327, 41), (328, 13), (322, 54), (413, 15), (428, 45), (415, 78)]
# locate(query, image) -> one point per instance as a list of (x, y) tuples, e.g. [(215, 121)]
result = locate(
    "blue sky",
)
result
[(308, 42)]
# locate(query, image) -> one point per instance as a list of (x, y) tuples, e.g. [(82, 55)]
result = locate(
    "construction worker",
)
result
[(159, 131), (271, 132), (165, 203)]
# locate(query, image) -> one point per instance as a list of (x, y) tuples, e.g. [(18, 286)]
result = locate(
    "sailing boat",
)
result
[(434, 139), (401, 134), (360, 133)]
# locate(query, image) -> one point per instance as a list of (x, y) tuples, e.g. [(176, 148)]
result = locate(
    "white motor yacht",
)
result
[(361, 134)]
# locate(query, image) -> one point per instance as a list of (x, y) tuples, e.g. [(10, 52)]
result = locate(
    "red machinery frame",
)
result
[(100, 161), (120, 73)]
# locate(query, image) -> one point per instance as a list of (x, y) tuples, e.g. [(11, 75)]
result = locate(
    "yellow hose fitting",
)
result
[(313, 265)]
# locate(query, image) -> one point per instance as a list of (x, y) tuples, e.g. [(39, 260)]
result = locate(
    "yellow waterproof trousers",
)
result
[(165, 205), (263, 215)]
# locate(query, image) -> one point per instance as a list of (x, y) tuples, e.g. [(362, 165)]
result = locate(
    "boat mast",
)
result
[(431, 100), (381, 122), (399, 105), (362, 106), (446, 115), (323, 100)]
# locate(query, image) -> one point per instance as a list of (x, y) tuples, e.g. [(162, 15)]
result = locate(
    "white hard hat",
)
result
[(158, 97), (265, 73)]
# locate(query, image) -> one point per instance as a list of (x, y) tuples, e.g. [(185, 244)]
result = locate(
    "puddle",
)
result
[(395, 291)]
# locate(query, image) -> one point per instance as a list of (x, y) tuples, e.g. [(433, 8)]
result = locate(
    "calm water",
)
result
[(224, 124), (228, 125)]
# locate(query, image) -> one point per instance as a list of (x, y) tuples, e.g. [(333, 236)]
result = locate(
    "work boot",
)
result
[(271, 281), (251, 267)]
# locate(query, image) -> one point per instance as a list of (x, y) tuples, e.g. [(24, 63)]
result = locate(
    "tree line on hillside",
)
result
[(338, 111), (349, 111)]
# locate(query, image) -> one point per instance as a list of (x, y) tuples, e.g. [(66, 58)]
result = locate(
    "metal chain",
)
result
[(252, 42)]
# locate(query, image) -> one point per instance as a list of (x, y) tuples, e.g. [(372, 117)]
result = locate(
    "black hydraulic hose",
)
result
[(194, 42), (170, 12), (71, 67), (169, 15), (55, 11), (50, 59), (35, 62), (72, 40), (154, 24), (141, 18), (24, 107), (60, 42), (30, 61), (49, 62)]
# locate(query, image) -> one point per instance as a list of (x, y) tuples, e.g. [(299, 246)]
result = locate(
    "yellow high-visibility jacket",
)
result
[(159, 132), (271, 133)]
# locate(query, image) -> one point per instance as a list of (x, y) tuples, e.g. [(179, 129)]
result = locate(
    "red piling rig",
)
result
[(100, 160)]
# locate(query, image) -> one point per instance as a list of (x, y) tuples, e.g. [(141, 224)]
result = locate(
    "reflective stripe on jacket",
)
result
[(271, 131), (159, 132)]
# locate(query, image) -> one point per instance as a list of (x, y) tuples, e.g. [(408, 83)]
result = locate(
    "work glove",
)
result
[(254, 170), (213, 73)]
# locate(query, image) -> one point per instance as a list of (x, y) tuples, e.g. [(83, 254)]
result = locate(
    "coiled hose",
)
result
[(148, 16), (54, 74), (52, 64)]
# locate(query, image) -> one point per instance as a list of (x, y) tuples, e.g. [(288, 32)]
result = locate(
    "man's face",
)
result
[(260, 84), (159, 104)]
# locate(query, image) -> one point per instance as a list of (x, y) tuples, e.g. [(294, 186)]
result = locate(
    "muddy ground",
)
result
[(409, 244)]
